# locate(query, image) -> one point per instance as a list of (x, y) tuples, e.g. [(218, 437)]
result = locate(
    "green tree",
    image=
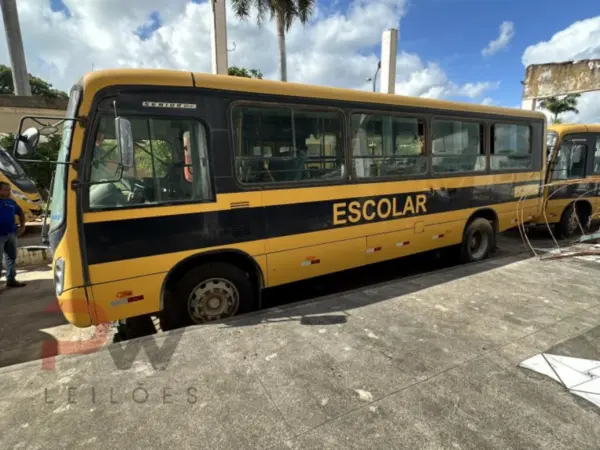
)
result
[(285, 12), (235, 71), (557, 106), (39, 87)]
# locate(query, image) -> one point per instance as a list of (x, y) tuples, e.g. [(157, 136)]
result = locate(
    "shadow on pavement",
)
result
[(321, 309), (28, 316)]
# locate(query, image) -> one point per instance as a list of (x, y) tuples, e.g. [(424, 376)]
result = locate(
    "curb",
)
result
[(33, 255)]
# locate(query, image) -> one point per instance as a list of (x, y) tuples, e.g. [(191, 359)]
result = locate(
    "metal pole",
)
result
[(14, 41), (219, 37), (375, 76)]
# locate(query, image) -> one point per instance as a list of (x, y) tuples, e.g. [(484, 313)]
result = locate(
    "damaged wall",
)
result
[(546, 80)]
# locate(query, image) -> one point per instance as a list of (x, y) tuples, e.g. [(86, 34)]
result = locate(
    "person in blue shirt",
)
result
[(8, 233)]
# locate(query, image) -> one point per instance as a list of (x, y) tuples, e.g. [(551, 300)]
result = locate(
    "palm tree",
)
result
[(558, 106), (284, 12)]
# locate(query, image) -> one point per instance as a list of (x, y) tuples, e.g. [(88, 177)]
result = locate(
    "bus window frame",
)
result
[(265, 185), (485, 141), (382, 112), (532, 150), (88, 146)]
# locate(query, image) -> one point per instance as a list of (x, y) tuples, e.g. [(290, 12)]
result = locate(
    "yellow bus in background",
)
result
[(24, 191), (574, 153), (184, 195)]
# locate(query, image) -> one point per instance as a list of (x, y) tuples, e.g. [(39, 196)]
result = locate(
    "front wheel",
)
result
[(207, 293), (478, 240), (570, 222)]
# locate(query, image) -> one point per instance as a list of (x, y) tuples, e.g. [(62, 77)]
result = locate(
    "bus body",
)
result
[(284, 182), (24, 191), (574, 153)]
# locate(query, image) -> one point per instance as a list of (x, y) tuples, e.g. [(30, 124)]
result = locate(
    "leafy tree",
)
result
[(243, 72), (285, 12), (39, 87), (557, 106)]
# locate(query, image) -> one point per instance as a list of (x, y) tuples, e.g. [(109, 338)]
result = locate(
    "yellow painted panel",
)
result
[(308, 262), (111, 299), (311, 194), (74, 306), (443, 235), (382, 247), (223, 202)]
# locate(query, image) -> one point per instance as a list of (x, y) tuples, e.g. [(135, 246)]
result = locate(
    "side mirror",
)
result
[(124, 141), (26, 143)]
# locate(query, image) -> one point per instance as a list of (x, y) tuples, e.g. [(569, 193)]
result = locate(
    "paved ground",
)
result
[(426, 362)]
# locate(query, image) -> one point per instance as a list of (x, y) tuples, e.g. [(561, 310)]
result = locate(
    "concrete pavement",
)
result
[(427, 362)]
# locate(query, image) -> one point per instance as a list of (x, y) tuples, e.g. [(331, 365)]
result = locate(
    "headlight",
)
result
[(59, 275)]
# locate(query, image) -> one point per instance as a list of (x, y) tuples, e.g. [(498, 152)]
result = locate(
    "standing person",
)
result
[(8, 233)]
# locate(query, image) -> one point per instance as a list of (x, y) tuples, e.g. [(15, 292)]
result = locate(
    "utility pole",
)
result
[(14, 41), (218, 33), (389, 50)]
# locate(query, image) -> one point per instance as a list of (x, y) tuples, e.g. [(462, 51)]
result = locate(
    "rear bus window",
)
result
[(278, 144), (511, 147)]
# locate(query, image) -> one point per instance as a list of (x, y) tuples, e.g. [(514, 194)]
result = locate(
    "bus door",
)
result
[(571, 162)]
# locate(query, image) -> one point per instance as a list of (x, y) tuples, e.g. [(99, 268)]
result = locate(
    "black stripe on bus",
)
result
[(573, 191), (150, 236)]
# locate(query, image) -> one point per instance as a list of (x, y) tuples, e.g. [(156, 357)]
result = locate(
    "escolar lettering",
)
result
[(357, 211)]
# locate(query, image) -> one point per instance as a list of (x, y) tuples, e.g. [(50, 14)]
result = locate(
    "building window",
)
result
[(511, 147), (171, 164), (387, 146), (278, 144), (457, 147)]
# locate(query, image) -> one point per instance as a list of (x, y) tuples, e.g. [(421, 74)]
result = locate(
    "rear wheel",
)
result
[(207, 293), (570, 222), (478, 240)]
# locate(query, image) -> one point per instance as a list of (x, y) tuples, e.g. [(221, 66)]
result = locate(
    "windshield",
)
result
[(57, 203), (8, 164)]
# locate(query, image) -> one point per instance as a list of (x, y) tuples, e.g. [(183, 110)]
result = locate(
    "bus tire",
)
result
[(209, 292), (478, 240), (568, 227)]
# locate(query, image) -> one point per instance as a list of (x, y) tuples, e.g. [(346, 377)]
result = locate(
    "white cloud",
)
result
[(580, 40), (507, 32), (487, 101), (334, 49)]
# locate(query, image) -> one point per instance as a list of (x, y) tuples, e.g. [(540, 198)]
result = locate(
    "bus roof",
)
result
[(97, 80), (563, 128)]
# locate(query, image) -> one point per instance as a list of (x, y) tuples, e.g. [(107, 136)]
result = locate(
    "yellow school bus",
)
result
[(574, 153), (24, 191), (184, 195)]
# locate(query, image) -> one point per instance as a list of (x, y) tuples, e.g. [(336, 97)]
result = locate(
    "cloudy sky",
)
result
[(466, 50)]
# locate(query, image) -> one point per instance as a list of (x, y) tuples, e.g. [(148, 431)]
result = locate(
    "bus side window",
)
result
[(171, 164), (386, 146)]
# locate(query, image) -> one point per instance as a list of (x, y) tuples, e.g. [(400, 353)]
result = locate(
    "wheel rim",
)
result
[(572, 222), (213, 299), (478, 244)]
